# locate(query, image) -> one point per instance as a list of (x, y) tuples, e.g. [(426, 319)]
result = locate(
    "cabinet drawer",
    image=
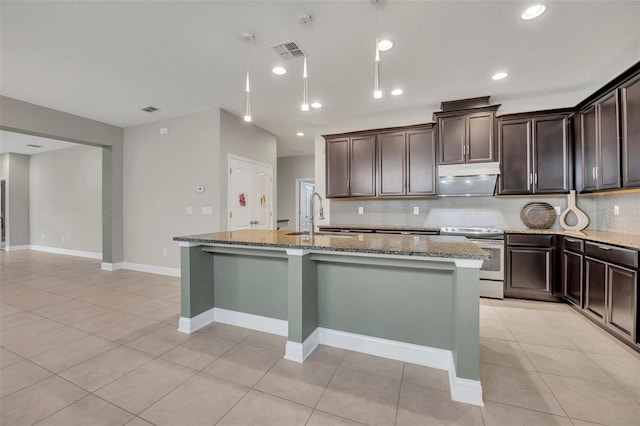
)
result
[(573, 244), (612, 254), (530, 240)]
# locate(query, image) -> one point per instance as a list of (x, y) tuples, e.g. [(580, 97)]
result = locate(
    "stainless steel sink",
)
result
[(320, 234)]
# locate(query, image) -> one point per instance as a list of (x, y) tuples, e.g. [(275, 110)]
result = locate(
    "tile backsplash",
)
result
[(500, 211)]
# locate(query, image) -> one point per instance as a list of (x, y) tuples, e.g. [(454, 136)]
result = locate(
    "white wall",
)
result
[(249, 141), (290, 169), (66, 199), (161, 173)]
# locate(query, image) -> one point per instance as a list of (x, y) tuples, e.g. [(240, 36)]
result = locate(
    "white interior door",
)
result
[(263, 181), (305, 192), (250, 192)]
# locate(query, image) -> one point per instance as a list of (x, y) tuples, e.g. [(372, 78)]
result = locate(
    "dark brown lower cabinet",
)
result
[(611, 285), (530, 263), (596, 287), (572, 277)]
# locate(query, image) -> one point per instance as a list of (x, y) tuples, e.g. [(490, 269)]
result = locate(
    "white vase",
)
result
[(583, 219)]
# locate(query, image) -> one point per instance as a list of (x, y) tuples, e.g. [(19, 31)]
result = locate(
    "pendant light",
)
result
[(305, 89), (247, 88), (377, 88)]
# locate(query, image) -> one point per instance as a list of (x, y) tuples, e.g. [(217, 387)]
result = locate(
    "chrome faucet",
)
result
[(313, 212)]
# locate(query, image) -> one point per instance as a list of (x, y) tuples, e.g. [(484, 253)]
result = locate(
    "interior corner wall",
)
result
[(66, 199), (289, 170), (23, 117), (246, 140), (161, 173), (16, 171)]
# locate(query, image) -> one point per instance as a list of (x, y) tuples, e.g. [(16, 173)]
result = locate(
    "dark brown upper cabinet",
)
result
[(406, 163), (630, 126), (350, 166), (467, 136), (600, 144), (534, 154)]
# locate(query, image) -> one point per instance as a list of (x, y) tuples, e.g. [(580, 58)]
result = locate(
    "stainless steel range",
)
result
[(492, 271)]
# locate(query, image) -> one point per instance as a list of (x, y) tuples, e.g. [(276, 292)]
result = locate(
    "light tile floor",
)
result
[(80, 346)]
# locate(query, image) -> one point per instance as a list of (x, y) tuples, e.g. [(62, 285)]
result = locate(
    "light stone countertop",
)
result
[(607, 237), (404, 245)]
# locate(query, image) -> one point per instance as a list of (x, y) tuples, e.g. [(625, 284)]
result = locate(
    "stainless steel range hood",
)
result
[(468, 180)]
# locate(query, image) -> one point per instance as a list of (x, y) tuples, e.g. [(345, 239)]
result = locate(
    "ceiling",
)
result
[(107, 60), (18, 143)]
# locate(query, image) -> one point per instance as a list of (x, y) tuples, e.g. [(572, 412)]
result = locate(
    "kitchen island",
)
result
[(405, 297)]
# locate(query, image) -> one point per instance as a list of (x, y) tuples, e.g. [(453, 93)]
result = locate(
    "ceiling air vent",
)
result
[(288, 49), (150, 109), (34, 146)]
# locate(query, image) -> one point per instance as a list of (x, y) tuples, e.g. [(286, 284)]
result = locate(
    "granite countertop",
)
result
[(383, 227), (404, 245), (607, 237)]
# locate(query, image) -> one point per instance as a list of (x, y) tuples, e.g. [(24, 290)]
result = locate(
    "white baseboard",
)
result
[(400, 351), (16, 248), (462, 390), (160, 270), (106, 266), (56, 250), (253, 322), (189, 325), (298, 352)]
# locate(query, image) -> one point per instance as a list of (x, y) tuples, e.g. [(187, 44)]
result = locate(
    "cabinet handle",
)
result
[(535, 179), (593, 173), (596, 167), (603, 247), (571, 240), (530, 179)]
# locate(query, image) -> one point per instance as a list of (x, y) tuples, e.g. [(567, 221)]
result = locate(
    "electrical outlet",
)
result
[(616, 210), (43, 236), (416, 210), (164, 130), (360, 210), (189, 210), (558, 209), (164, 252), (207, 210)]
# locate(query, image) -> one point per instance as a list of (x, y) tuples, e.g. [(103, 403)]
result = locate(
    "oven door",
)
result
[(492, 268)]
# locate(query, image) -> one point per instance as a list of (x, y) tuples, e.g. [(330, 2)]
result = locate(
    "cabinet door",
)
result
[(608, 173), (595, 287), (480, 145), (589, 150), (630, 101), (337, 167), (363, 166), (550, 155), (622, 300), (421, 159), (514, 139), (530, 271), (391, 164), (572, 277), (451, 139)]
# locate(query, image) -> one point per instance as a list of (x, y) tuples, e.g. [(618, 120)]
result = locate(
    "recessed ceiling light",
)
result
[(316, 105), (384, 45), (396, 92), (500, 75), (533, 12), (299, 134), (279, 70)]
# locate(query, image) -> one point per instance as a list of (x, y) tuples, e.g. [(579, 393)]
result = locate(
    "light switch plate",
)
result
[(558, 209), (189, 210), (164, 130), (207, 210), (360, 210), (616, 210), (416, 210)]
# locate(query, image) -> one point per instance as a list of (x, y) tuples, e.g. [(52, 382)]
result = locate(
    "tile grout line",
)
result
[(395, 421)]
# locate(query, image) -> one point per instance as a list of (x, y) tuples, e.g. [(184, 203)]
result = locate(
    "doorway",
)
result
[(250, 193), (304, 193), (2, 213)]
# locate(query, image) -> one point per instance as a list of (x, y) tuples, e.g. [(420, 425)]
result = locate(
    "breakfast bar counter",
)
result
[(412, 298)]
